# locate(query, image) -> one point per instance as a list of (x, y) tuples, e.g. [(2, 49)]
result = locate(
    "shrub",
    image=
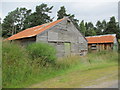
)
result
[(14, 64), (45, 52)]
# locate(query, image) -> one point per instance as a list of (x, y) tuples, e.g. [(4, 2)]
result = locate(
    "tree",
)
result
[(86, 25), (90, 25), (8, 25), (23, 13), (111, 26), (21, 18), (104, 26), (40, 16), (13, 22), (99, 28), (82, 27), (61, 13), (90, 29)]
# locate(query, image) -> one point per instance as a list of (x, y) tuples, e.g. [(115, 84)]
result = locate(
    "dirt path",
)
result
[(106, 84), (97, 78)]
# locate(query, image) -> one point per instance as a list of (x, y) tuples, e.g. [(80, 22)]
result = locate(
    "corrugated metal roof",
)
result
[(101, 39), (30, 32)]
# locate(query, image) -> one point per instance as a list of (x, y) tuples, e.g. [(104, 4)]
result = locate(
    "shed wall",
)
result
[(64, 32)]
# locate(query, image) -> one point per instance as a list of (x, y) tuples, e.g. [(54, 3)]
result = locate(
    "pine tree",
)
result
[(111, 26), (104, 26), (90, 29), (99, 28), (13, 22), (61, 13), (82, 27), (40, 16)]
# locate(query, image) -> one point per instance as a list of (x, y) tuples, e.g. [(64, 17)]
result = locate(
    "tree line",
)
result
[(22, 18)]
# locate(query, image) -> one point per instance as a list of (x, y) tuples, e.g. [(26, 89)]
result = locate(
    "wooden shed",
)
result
[(62, 34), (102, 42)]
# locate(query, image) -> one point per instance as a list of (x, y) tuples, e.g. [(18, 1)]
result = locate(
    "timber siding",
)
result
[(63, 35)]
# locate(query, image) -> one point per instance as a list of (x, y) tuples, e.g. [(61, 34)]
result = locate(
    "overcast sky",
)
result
[(87, 10)]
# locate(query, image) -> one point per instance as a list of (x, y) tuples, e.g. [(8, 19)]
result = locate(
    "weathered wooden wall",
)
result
[(62, 33)]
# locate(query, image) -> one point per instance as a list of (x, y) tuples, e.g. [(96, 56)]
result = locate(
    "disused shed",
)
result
[(62, 34), (102, 42)]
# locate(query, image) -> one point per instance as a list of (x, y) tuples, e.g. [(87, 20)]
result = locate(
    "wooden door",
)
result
[(67, 48)]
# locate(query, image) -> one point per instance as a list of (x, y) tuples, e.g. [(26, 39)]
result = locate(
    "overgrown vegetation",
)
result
[(14, 64), (45, 53), (22, 67)]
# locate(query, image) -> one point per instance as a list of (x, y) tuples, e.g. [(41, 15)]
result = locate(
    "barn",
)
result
[(62, 34), (102, 42)]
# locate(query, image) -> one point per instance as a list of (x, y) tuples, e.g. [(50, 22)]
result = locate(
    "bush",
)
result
[(14, 64), (45, 52)]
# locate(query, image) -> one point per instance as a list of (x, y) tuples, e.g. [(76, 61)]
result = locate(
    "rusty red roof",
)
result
[(30, 32), (101, 39)]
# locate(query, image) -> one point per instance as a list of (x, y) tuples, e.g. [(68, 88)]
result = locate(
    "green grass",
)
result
[(80, 78), (52, 73), (82, 66), (20, 71)]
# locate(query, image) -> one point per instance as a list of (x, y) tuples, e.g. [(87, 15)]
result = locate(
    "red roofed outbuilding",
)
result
[(62, 34), (102, 42)]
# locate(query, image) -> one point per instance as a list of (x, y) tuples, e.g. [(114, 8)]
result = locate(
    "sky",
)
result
[(87, 10)]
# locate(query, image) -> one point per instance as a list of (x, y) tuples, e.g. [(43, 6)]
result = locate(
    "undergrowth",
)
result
[(23, 67)]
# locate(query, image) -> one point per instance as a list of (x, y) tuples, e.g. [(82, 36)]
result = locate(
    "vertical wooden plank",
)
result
[(67, 48)]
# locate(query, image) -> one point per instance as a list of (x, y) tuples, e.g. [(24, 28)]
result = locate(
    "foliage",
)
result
[(14, 64), (104, 26), (19, 70), (62, 13), (102, 56), (101, 28), (82, 28), (40, 16), (111, 26), (21, 18), (90, 29), (42, 50), (14, 21), (67, 62), (18, 67)]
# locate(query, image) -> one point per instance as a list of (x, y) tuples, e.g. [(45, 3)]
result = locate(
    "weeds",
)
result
[(22, 67)]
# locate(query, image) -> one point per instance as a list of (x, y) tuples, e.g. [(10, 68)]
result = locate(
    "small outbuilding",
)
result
[(62, 34), (102, 42)]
